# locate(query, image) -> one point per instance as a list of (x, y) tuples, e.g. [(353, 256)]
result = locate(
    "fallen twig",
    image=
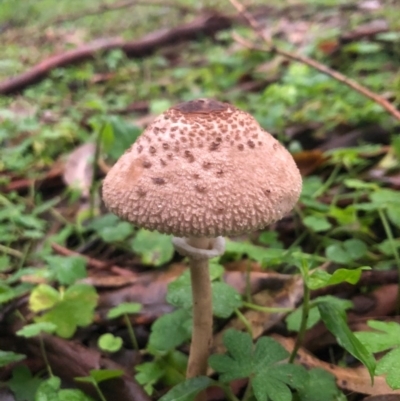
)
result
[(206, 24), (91, 262), (308, 61), (104, 7)]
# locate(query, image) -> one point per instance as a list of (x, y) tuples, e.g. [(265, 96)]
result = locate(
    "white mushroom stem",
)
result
[(199, 250), (202, 311)]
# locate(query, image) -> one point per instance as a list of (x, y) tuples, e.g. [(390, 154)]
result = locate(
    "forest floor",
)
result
[(91, 306)]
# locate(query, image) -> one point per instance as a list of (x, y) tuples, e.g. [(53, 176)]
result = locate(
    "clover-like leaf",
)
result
[(74, 307), (67, 269), (34, 329), (225, 299), (153, 247), (320, 386), (170, 330), (7, 357), (385, 336), (126, 308), (43, 297), (238, 362), (390, 366), (149, 373), (23, 384), (271, 378), (187, 390), (110, 343), (346, 252)]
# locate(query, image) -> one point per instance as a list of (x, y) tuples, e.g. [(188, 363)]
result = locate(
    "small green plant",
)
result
[(124, 310), (385, 336), (97, 376)]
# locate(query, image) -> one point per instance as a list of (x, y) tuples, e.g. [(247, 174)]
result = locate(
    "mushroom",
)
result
[(203, 170)]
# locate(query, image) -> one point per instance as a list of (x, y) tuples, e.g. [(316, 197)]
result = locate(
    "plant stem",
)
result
[(92, 190), (99, 392), (249, 391), (329, 181), (303, 324), (228, 391), (245, 322), (248, 284), (266, 309), (11, 251), (390, 237), (44, 356), (131, 332)]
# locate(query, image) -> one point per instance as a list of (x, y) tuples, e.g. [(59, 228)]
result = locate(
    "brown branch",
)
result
[(308, 61), (119, 6), (92, 262), (206, 24)]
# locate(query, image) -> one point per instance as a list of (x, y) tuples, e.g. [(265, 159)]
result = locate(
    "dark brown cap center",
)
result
[(201, 106)]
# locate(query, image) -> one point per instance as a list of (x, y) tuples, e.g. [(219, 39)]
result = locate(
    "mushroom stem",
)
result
[(202, 311)]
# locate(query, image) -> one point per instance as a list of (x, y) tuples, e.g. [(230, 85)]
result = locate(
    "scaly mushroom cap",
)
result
[(203, 168)]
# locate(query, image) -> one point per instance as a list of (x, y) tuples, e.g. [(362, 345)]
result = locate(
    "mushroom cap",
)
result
[(203, 169)]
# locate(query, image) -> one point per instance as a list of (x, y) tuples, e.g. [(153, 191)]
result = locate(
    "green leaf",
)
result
[(153, 247), (6, 293), (116, 233), (110, 228), (335, 320), (5, 263), (170, 330), (254, 252), (320, 386), (384, 198), (390, 366), (73, 395), (320, 278), (75, 308), (187, 390), (386, 246), (123, 136), (23, 384), (48, 390), (43, 297), (317, 223), (67, 270), (271, 377), (393, 213), (108, 342), (149, 373), (293, 320), (346, 252), (7, 357), (274, 383), (179, 291), (34, 329), (237, 363), (100, 375), (359, 184), (158, 106), (225, 299), (126, 308), (387, 336)]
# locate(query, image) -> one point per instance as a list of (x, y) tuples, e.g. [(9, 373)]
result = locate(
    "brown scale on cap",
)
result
[(223, 158)]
